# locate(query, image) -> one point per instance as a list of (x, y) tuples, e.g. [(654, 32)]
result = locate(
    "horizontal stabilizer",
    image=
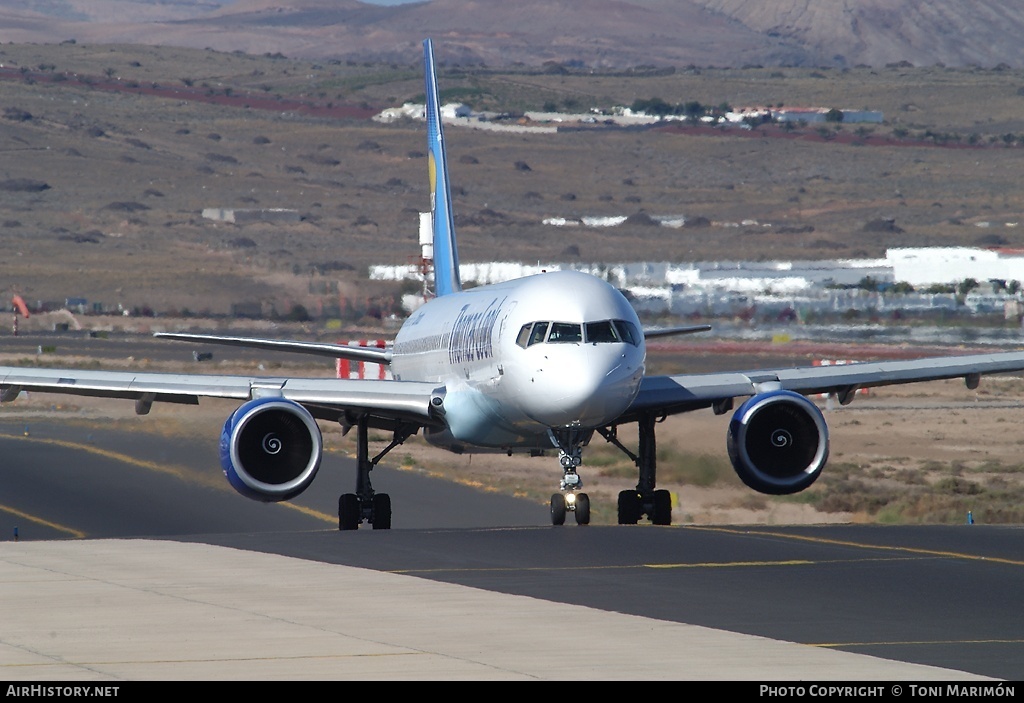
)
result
[(672, 331), (335, 351)]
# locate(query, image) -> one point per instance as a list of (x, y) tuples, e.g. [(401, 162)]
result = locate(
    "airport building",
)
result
[(728, 287)]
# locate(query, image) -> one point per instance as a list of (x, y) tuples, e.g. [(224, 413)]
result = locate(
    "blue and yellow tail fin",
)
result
[(446, 253)]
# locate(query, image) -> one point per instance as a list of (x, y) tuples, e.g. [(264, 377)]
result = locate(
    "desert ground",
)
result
[(112, 153)]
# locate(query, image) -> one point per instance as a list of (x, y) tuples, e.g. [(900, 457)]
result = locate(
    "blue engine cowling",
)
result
[(270, 449), (778, 442)]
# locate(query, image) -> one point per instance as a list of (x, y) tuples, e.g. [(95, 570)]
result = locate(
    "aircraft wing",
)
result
[(682, 393), (325, 398), (335, 351)]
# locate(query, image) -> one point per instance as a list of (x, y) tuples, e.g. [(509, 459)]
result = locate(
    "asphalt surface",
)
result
[(76, 481), (942, 596), (945, 597), (937, 597)]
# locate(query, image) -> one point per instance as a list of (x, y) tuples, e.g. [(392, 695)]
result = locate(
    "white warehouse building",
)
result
[(927, 265), (669, 283)]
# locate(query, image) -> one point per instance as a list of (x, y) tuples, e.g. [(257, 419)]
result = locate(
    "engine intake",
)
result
[(270, 449), (778, 442)]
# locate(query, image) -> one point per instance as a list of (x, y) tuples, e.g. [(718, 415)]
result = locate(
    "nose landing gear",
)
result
[(576, 503), (570, 499)]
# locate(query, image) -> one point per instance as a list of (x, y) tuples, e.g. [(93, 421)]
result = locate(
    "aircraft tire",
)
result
[(557, 509), (629, 508), (662, 508), (381, 511), (349, 515), (582, 511)]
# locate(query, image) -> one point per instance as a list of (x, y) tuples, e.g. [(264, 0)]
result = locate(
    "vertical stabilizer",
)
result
[(446, 254)]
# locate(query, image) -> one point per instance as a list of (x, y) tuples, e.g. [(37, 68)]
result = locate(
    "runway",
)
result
[(941, 596), (468, 584)]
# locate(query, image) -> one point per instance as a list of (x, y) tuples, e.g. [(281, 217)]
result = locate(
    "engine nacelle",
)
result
[(778, 442), (270, 449)]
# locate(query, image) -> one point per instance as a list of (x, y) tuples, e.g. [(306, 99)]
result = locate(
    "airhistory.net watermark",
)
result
[(62, 691)]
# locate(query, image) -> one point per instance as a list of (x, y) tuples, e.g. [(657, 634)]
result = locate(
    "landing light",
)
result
[(570, 498)]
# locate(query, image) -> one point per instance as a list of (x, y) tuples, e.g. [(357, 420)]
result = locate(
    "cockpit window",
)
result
[(532, 333), (523, 339), (565, 332), (602, 332), (628, 332), (540, 329)]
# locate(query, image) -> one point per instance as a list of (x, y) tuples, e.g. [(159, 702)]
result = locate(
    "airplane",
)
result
[(538, 364)]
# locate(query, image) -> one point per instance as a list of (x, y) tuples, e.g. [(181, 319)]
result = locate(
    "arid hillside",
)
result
[(111, 154), (595, 34)]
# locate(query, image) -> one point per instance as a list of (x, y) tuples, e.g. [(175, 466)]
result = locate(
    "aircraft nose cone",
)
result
[(589, 391)]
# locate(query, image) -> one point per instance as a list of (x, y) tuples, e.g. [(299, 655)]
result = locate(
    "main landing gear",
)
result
[(365, 504), (645, 499), (570, 499)]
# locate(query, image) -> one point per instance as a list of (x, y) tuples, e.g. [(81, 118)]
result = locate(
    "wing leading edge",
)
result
[(683, 393), (325, 398)]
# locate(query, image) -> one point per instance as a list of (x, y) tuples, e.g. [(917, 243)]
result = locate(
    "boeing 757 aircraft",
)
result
[(542, 363)]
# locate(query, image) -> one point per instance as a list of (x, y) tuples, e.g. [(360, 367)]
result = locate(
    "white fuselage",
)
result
[(552, 351)]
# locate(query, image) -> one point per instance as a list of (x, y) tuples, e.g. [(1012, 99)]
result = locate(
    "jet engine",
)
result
[(778, 442), (270, 449)]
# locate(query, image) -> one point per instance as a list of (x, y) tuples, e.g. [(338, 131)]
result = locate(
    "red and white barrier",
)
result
[(363, 369)]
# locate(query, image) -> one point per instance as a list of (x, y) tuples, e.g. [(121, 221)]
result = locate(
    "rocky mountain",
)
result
[(592, 33)]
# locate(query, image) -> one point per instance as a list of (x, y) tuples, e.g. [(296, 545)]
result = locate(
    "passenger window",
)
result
[(565, 332), (523, 339), (539, 330), (601, 332), (628, 332)]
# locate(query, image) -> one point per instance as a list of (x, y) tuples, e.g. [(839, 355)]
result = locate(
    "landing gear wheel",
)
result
[(557, 509), (662, 508), (582, 509), (629, 507), (381, 511), (349, 512)]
